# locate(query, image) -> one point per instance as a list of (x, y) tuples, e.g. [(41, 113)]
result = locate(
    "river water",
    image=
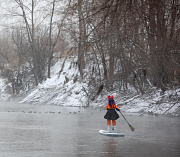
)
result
[(54, 131)]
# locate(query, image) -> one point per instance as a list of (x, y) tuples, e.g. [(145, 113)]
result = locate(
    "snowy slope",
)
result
[(62, 89)]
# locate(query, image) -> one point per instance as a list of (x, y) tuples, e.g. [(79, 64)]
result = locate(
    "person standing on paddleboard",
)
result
[(111, 113)]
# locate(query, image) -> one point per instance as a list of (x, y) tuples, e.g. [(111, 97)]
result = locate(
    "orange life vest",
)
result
[(113, 106)]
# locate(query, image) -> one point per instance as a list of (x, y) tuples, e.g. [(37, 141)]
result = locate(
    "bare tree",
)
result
[(82, 38), (137, 34)]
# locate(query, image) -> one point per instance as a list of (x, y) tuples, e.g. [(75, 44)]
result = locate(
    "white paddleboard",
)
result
[(104, 132)]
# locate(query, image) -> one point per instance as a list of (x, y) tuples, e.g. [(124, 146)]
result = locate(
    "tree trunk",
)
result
[(111, 64), (50, 55), (81, 42), (35, 67)]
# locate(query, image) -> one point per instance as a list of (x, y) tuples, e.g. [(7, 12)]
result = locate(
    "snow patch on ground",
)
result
[(3, 90)]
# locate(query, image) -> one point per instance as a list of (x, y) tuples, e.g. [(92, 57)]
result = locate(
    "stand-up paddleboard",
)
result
[(104, 132)]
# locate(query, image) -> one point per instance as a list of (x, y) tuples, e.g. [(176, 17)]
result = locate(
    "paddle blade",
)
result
[(132, 128)]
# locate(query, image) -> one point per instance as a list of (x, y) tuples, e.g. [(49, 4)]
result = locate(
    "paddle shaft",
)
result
[(124, 117)]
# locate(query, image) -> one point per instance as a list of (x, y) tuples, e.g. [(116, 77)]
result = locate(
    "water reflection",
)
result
[(110, 148)]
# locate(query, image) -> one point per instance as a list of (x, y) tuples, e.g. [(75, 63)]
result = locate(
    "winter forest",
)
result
[(129, 47)]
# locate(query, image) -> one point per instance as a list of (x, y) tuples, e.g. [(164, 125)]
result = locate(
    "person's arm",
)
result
[(107, 107), (118, 109)]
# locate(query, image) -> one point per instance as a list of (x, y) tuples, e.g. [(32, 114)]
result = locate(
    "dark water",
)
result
[(40, 130)]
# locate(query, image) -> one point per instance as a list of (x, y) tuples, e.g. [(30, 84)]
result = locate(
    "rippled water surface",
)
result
[(53, 131)]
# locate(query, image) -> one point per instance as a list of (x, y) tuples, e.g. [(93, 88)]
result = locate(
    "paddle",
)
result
[(131, 127)]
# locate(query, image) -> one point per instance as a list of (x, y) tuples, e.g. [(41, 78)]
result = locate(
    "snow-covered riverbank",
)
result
[(64, 88), (154, 102), (61, 89)]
